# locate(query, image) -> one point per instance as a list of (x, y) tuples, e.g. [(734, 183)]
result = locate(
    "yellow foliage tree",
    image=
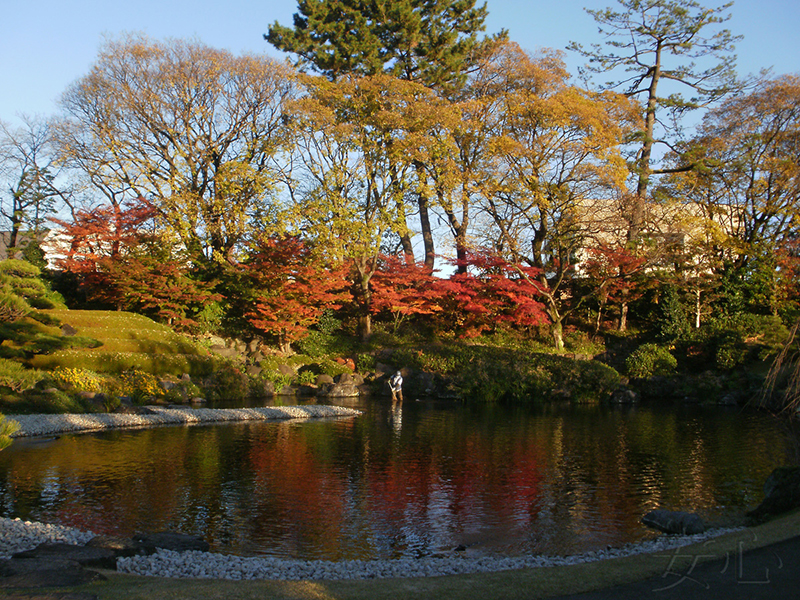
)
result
[(193, 129)]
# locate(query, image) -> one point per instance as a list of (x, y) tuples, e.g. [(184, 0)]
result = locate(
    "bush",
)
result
[(672, 323), (650, 360), (228, 383), (12, 307), (729, 342), (140, 386), (77, 380)]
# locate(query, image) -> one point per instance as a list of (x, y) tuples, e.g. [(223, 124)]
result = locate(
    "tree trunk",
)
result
[(599, 317), (623, 316), (646, 154), (427, 233), (557, 331), (697, 309)]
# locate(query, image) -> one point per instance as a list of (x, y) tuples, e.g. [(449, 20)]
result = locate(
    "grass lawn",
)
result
[(127, 341)]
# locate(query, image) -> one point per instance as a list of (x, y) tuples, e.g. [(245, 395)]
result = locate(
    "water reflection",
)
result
[(404, 480)]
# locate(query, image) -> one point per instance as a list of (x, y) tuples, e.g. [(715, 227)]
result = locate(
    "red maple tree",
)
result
[(614, 270), (289, 288), (403, 289), (490, 292), (97, 237)]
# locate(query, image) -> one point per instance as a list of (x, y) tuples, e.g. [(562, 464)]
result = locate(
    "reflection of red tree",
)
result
[(459, 483), (294, 491)]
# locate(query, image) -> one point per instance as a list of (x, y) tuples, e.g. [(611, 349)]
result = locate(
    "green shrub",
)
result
[(50, 401), (209, 319), (228, 382), (306, 377), (649, 360), (672, 320), (12, 307), (365, 363)]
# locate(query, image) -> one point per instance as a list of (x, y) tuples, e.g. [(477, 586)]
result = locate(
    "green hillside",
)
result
[(127, 341)]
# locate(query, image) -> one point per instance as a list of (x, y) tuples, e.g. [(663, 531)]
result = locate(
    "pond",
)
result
[(423, 478)]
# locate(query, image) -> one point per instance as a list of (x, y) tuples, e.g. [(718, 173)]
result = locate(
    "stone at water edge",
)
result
[(781, 494), (177, 542), (674, 522)]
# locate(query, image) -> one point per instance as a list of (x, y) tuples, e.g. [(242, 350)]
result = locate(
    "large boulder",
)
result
[(781, 494), (86, 556), (674, 522), (28, 573), (340, 390)]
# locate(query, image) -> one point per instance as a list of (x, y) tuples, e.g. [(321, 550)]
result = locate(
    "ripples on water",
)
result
[(424, 478)]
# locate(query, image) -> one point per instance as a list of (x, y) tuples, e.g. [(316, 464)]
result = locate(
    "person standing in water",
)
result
[(396, 385)]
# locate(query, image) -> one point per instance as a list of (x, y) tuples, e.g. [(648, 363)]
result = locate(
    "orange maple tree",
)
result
[(289, 288)]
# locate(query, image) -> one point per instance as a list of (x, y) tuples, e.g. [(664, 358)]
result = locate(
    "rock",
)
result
[(285, 369), (624, 395), (253, 370), (224, 351), (383, 370), (349, 379), (177, 542), (324, 379), (674, 522), (68, 330), (781, 494), (728, 400), (340, 390), (119, 546), (263, 387), (86, 556), (44, 573)]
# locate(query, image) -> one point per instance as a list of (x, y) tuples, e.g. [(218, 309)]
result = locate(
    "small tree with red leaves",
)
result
[(117, 262), (289, 289), (403, 289), (97, 237), (161, 285), (492, 292), (615, 271)]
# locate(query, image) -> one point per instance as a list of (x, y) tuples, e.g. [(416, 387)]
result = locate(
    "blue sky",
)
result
[(48, 44)]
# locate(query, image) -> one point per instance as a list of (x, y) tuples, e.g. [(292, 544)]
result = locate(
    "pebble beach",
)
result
[(152, 416)]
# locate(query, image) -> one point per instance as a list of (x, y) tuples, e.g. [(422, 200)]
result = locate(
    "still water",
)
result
[(420, 479)]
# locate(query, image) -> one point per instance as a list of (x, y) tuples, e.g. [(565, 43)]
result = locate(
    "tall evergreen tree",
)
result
[(432, 42)]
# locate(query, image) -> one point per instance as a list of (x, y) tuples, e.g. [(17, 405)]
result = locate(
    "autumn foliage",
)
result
[(485, 293), (118, 263), (289, 288)]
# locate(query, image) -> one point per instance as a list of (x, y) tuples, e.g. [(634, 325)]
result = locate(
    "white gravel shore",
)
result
[(38, 425), (18, 536)]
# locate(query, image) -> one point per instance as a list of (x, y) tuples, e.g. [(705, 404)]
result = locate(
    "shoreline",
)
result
[(153, 416), (18, 536)]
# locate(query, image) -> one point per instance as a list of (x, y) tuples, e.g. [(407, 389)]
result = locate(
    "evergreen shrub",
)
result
[(650, 360)]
